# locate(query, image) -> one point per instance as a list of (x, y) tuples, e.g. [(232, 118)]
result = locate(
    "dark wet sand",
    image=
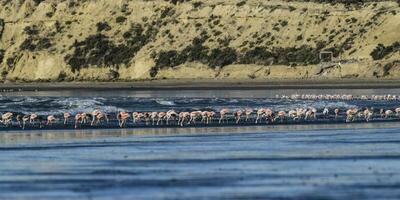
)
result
[(207, 85)]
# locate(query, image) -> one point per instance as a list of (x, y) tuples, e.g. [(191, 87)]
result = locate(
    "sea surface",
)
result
[(332, 161), (113, 101)]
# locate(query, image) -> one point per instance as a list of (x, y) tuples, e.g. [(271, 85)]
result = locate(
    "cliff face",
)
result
[(60, 40)]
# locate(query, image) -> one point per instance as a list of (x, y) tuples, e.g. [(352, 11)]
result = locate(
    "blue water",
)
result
[(58, 102), (316, 162), (332, 161)]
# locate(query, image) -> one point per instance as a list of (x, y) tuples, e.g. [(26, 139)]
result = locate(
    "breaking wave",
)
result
[(57, 105)]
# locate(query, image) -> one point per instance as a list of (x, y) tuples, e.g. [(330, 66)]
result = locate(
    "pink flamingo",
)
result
[(269, 116), (325, 112), (281, 115), (66, 117), (25, 118), (19, 120), (248, 112), (50, 120), (336, 113), (207, 116), (153, 116), (260, 114), (80, 118), (194, 116), (238, 115), (351, 113), (388, 113), (171, 114), (97, 116), (368, 114), (182, 117), (223, 113), (137, 116), (122, 118), (161, 116), (6, 118), (293, 114), (147, 116), (397, 110), (382, 113), (210, 116)]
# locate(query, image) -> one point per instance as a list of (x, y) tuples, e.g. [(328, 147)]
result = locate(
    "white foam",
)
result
[(77, 105), (166, 103)]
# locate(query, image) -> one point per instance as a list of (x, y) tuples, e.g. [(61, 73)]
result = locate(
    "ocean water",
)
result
[(306, 161), (58, 102), (299, 162)]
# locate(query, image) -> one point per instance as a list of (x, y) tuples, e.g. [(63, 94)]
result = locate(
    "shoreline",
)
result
[(112, 125), (204, 85), (15, 136)]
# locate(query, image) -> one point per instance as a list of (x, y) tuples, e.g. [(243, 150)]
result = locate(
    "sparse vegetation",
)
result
[(341, 1), (291, 8), (237, 32), (387, 67), (103, 26), (195, 52), (381, 51), (31, 30), (197, 4), (258, 56), (2, 24), (50, 14), (120, 19), (11, 61), (98, 50), (220, 57), (34, 42), (284, 23), (37, 2), (2, 52), (241, 3)]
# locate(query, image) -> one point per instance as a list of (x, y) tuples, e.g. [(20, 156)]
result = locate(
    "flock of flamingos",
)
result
[(247, 115)]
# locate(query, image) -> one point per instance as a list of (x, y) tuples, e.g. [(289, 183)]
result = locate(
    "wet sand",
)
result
[(206, 85)]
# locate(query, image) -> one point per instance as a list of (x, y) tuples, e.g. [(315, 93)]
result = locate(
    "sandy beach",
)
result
[(204, 85)]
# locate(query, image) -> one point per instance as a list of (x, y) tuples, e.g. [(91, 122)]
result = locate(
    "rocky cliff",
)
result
[(74, 40)]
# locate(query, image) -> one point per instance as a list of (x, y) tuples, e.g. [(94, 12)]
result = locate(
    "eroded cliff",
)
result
[(61, 40)]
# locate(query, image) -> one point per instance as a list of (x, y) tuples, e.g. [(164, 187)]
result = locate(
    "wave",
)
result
[(58, 105), (166, 103)]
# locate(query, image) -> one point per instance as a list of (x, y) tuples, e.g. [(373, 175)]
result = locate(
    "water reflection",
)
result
[(38, 136), (349, 161)]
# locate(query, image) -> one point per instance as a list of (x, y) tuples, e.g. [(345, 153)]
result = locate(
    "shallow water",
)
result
[(299, 162), (57, 102), (331, 161)]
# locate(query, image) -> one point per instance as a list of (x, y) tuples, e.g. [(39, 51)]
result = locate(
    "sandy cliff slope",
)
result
[(73, 40)]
